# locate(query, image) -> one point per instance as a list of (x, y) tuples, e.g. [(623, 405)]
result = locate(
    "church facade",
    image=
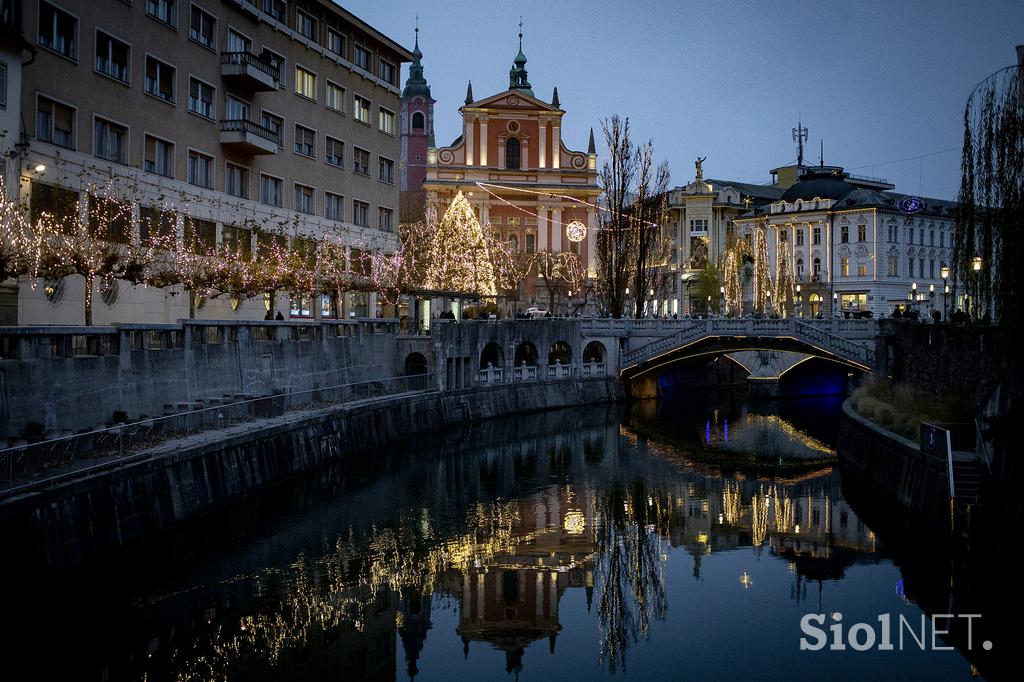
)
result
[(528, 188)]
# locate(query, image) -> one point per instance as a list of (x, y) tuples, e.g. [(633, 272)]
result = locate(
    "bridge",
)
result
[(506, 351)]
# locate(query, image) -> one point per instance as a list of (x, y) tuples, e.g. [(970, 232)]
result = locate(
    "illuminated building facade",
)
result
[(534, 192)]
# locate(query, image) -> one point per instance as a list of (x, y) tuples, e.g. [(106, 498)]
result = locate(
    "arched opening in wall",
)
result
[(526, 354), (493, 356), (415, 364), (417, 121), (512, 153), (561, 352), (594, 352), (815, 301)]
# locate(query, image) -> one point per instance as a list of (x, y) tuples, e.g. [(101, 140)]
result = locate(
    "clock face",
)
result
[(910, 205)]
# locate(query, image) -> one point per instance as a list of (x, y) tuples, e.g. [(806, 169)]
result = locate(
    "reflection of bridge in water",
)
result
[(504, 530)]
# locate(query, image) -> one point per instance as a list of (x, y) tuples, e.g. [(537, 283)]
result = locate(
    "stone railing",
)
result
[(864, 328)]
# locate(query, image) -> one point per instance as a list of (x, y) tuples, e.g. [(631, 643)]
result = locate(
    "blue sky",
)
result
[(878, 81)]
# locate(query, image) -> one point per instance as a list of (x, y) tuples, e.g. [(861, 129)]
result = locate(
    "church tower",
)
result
[(417, 111)]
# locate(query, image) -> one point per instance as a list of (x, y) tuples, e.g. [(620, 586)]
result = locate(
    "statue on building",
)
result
[(700, 167)]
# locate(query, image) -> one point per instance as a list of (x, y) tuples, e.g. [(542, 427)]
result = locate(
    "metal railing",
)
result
[(34, 465), (242, 125), (249, 59)]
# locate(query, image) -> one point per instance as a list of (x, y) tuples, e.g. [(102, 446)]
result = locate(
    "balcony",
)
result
[(246, 70), (247, 137)]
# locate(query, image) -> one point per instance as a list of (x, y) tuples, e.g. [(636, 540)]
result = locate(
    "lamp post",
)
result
[(721, 306), (799, 302), (931, 298), (835, 300), (976, 266), (709, 305), (944, 272)]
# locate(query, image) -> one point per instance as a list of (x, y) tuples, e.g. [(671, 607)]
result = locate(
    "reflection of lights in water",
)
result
[(574, 523), (707, 433), (797, 528), (726, 430), (746, 581), (720, 518), (702, 538)]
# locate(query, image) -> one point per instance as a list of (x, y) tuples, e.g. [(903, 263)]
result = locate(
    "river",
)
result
[(574, 545)]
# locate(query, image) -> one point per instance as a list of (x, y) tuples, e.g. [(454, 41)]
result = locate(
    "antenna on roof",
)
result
[(821, 153), (799, 136)]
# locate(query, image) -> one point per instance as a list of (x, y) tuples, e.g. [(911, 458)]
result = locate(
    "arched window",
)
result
[(512, 153), (417, 120), (817, 267), (800, 268)]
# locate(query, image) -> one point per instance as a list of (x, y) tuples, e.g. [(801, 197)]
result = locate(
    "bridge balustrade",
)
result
[(593, 369), (524, 373), (491, 375)]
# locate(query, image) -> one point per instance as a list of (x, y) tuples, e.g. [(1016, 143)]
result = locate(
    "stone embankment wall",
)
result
[(72, 523), (912, 485), (941, 358), (61, 380)]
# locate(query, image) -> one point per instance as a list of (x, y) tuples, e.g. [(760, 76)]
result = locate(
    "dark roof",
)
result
[(818, 185)]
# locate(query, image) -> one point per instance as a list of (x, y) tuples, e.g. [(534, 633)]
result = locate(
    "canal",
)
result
[(685, 538)]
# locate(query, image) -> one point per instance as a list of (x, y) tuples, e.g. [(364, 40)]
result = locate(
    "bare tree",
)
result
[(632, 248)]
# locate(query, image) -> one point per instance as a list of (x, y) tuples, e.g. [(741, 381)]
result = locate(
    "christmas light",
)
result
[(576, 231), (459, 258)]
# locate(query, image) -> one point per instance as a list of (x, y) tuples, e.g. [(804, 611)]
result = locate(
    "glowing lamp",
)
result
[(40, 168), (944, 271), (576, 231), (976, 263)]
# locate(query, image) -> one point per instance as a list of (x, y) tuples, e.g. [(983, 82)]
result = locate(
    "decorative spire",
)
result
[(591, 149), (469, 93), (554, 98), (416, 84), (517, 78)]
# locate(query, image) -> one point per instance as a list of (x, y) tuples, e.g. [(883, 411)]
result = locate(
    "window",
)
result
[(112, 57), (304, 199), (235, 109), (361, 109), (910, 235), (862, 270), (276, 124), (942, 239), (55, 123), (200, 98), (238, 42), (203, 28), (361, 213), (844, 234), (159, 156), (200, 169), (531, 241), (361, 57), (783, 236), (157, 227), (335, 152), (512, 153), (58, 30), (385, 218), (236, 181), (386, 71), (893, 265), (386, 170), (274, 8), (417, 121), (920, 269), (335, 96), (920, 236), (361, 161), (334, 206), (110, 220), (844, 267), (699, 226), (200, 235), (164, 10), (270, 190), (800, 237), (159, 79), (910, 266), (800, 269), (931, 237), (305, 24), (862, 233), (305, 141), (276, 63), (305, 83), (817, 267), (817, 236), (386, 121), (335, 42), (299, 306), (110, 141), (236, 240)]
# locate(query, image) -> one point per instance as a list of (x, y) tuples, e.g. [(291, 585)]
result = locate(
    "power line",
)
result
[(909, 158)]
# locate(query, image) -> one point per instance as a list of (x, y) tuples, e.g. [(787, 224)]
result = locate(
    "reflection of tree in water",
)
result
[(632, 536)]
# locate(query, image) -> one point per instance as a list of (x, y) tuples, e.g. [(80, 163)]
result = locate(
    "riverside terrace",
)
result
[(56, 381)]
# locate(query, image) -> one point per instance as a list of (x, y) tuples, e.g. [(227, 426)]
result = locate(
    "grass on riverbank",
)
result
[(901, 408)]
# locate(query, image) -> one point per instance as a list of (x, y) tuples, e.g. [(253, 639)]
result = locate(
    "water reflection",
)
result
[(505, 541)]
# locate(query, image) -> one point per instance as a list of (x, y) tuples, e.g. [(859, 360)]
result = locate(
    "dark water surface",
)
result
[(561, 546)]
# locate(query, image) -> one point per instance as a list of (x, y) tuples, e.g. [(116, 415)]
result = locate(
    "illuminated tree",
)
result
[(561, 274), (459, 260)]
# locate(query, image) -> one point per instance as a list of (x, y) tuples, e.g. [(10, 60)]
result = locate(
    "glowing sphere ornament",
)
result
[(576, 231)]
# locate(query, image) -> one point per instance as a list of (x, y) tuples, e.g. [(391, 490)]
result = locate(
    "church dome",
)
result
[(819, 183)]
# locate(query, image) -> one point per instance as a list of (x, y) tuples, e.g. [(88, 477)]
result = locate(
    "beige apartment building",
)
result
[(229, 116)]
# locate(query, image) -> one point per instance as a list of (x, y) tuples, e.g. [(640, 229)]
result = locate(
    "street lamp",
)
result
[(976, 266), (799, 302), (835, 298), (944, 273), (721, 307)]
